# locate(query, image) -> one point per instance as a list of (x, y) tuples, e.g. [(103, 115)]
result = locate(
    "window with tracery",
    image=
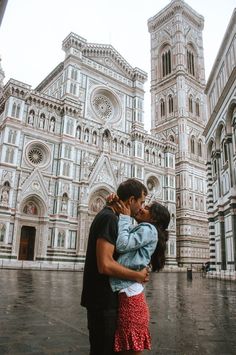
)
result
[(166, 62), (191, 62)]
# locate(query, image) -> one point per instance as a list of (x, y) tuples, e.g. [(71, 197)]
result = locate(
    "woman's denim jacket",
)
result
[(135, 246)]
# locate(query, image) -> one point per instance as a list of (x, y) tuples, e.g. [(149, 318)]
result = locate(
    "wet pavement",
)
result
[(40, 314)]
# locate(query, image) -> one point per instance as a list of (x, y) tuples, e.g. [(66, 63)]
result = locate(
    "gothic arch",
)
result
[(165, 65), (33, 205), (230, 116), (97, 198), (219, 130), (210, 148)]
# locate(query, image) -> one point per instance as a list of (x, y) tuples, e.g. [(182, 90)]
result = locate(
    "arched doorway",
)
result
[(27, 242)]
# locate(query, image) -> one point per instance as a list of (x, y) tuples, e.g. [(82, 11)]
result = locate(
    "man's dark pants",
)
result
[(102, 326)]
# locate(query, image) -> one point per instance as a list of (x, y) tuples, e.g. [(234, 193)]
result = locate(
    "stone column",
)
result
[(222, 240)]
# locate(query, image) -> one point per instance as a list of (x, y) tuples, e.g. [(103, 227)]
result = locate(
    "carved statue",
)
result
[(5, 197), (52, 125)]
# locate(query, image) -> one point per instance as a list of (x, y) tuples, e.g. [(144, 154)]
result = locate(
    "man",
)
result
[(100, 263)]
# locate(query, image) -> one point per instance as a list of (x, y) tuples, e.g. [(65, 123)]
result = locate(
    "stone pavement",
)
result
[(40, 314)]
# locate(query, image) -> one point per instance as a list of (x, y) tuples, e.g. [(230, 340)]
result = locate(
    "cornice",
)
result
[(230, 32), (15, 88), (227, 88), (176, 6), (107, 50), (43, 100), (50, 76), (73, 40)]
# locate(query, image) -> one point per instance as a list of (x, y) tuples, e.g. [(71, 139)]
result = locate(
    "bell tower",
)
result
[(179, 114)]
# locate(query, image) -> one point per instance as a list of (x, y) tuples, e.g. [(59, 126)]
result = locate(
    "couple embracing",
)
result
[(117, 263)]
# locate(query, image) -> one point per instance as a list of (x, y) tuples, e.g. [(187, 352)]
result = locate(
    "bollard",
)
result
[(189, 274)]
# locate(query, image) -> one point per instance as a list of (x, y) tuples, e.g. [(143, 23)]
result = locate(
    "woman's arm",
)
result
[(133, 238)]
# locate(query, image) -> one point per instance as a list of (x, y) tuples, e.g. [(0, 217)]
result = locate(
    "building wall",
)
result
[(221, 153)]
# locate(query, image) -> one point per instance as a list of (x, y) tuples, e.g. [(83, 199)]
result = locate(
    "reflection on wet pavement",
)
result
[(40, 313)]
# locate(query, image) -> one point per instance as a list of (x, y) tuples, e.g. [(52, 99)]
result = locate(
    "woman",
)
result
[(137, 246)]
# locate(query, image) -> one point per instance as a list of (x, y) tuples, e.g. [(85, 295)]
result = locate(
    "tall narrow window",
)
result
[(122, 147), (61, 240), (9, 155), (2, 232), (78, 132), (18, 111), (170, 102), (115, 144), (192, 145), (197, 108), (95, 137), (225, 152), (166, 62), (190, 104), (153, 158), (147, 155), (128, 149), (13, 111), (86, 135), (162, 108), (190, 62), (200, 148)]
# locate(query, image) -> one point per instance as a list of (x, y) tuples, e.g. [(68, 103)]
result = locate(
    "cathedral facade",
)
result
[(69, 143)]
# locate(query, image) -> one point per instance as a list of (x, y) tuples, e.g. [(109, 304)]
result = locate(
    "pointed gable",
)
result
[(34, 185), (103, 173), (107, 56)]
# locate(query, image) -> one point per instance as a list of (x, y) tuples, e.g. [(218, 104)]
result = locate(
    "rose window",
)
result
[(35, 156), (37, 153), (102, 106), (153, 184), (105, 104)]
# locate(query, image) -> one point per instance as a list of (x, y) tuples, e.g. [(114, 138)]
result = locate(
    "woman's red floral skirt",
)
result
[(132, 332)]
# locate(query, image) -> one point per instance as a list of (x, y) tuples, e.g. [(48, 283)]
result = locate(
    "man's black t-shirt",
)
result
[(97, 293)]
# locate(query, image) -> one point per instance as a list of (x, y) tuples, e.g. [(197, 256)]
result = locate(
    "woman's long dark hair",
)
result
[(161, 218)]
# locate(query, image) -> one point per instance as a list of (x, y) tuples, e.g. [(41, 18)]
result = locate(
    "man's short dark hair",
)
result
[(131, 187)]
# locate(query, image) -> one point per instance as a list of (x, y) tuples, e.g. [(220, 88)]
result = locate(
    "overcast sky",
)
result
[(32, 32)]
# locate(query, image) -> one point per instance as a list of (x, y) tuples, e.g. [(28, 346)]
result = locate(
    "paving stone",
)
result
[(40, 314)]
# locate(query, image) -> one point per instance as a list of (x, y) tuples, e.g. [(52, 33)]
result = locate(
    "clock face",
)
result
[(106, 105)]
